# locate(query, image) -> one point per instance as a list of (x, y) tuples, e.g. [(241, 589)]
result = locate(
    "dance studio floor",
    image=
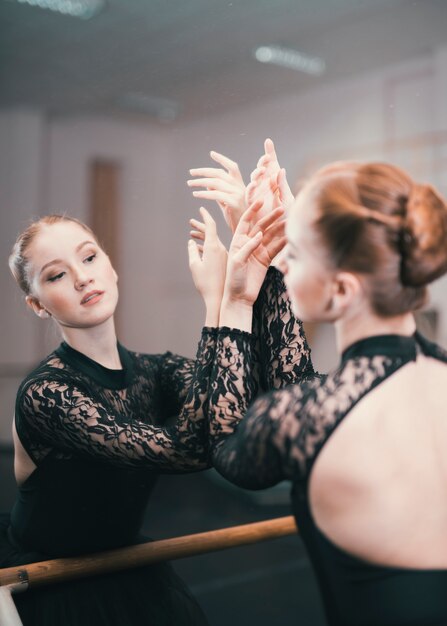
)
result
[(267, 584)]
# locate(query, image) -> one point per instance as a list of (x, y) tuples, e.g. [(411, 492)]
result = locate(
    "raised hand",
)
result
[(255, 243), (208, 262), (268, 182), (225, 186)]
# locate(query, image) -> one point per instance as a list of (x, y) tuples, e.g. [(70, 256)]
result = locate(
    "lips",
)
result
[(91, 297)]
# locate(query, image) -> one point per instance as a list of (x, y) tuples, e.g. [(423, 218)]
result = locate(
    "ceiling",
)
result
[(197, 54)]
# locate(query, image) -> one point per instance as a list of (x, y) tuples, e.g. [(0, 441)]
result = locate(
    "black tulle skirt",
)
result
[(151, 595)]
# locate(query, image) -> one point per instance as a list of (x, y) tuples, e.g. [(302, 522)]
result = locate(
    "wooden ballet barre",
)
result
[(60, 570)]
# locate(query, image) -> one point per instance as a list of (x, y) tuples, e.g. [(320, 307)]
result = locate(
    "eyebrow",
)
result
[(78, 248)]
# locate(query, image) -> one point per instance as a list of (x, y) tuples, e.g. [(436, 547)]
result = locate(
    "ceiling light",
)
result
[(84, 9), (162, 108), (292, 59)]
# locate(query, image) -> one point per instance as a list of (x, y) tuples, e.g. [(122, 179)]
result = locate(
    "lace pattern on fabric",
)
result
[(283, 431), (59, 410)]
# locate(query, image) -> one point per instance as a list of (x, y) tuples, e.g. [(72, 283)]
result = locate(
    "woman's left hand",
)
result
[(224, 185), (268, 182), (257, 240), (208, 262)]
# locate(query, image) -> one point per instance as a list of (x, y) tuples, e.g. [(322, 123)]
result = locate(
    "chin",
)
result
[(305, 316), (96, 318)]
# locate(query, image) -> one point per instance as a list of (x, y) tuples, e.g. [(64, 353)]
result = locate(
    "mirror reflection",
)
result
[(107, 110)]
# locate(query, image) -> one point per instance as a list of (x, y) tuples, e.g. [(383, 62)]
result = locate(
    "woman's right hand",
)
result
[(256, 241), (208, 262)]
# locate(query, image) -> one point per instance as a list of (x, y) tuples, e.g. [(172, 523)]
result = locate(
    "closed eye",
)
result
[(52, 279)]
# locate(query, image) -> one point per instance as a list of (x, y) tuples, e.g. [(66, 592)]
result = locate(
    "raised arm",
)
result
[(51, 413), (241, 445), (257, 443), (245, 452), (177, 373), (280, 344)]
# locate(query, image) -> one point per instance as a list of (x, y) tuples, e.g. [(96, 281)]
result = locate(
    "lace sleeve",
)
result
[(68, 417), (258, 450), (281, 353), (283, 431), (232, 388), (176, 374)]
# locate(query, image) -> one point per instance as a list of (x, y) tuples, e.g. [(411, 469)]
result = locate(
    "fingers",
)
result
[(264, 223), (197, 225), (255, 185), (285, 193), (195, 234), (208, 179), (274, 238), (228, 164), (213, 194), (232, 169), (269, 148), (247, 217), (275, 231), (203, 230), (248, 248), (208, 172), (257, 173), (276, 246), (198, 231), (263, 161), (193, 253), (279, 225), (210, 224)]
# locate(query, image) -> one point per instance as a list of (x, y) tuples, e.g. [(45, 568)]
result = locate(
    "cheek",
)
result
[(108, 271), (299, 280), (307, 292), (57, 302)]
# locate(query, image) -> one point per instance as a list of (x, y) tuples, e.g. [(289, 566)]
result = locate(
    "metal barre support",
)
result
[(59, 570), (8, 612)]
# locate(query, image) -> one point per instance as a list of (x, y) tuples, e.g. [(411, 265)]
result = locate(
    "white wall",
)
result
[(22, 152), (45, 165)]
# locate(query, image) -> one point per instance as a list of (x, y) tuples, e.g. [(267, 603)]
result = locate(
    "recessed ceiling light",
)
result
[(84, 9), (292, 59)]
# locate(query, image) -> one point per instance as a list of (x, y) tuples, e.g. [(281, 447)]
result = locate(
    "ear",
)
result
[(347, 289), (36, 306)]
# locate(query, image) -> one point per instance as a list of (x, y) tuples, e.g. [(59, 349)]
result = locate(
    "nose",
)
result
[(82, 278)]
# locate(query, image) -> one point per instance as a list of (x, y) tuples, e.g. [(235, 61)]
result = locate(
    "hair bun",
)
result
[(424, 237)]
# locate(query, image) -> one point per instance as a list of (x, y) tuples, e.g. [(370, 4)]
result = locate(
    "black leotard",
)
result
[(280, 438), (100, 438)]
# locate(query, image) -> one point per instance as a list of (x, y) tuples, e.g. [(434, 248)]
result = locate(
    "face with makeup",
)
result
[(307, 271), (71, 277)]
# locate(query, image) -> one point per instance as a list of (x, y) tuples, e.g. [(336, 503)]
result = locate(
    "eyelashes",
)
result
[(52, 279), (88, 259)]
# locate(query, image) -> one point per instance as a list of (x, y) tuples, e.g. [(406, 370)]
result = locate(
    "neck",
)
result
[(98, 343), (350, 329)]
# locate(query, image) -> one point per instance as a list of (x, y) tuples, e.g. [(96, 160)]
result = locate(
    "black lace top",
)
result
[(100, 437), (279, 436), (72, 406)]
